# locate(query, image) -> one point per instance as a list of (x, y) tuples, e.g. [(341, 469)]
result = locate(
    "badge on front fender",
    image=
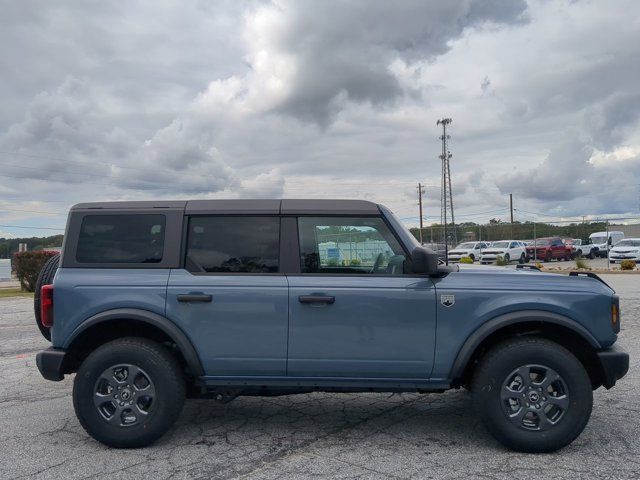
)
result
[(447, 300)]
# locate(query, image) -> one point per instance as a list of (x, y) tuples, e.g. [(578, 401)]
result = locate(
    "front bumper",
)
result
[(615, 365), (619, 258), (50, 362), (490, 257), (455, 257)]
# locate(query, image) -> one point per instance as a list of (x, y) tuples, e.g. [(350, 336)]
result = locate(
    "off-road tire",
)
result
[(499, 363), (162, 369), (45, 277)]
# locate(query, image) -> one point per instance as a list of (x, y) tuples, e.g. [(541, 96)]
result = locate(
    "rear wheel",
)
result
[(532, 394), (473, 259), (547, 257), (128, 392), (522, 259), (45, 277)]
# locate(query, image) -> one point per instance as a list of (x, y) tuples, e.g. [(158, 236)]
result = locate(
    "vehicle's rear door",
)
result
[(230, 298), (353, 311)]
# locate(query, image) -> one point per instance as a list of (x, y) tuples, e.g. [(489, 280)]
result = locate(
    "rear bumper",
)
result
[(615, 365), (50, 362)]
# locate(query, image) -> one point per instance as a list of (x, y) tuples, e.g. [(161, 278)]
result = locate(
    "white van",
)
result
[(604, 244)]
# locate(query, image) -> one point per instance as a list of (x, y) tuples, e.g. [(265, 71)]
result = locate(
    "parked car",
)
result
[(473, 250), (156, 301), (549, 248), (603, 241), (509, 250), (625, 249), (581, 249), (439, 248)]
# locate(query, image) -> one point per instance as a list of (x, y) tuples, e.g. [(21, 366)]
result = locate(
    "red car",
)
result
[(546, 249)]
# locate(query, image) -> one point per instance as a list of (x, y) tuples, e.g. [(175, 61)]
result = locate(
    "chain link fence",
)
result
[(589, 238)]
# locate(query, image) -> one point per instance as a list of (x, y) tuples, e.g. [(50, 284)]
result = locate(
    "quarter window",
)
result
[(336, 245), (226, 244), (130, 238)]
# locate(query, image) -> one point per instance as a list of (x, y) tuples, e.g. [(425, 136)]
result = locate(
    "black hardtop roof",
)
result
[(244, 206)]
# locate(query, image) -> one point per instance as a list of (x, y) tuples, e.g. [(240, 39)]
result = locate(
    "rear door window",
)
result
[(126, 239), (228, 244)]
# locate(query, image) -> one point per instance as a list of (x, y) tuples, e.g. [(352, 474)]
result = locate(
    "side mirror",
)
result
[(424, 261)]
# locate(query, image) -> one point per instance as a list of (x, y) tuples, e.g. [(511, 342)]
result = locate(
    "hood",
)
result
[(624, 248), (531, 280)]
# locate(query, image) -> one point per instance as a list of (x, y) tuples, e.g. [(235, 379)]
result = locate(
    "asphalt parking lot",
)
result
[(304, 436)]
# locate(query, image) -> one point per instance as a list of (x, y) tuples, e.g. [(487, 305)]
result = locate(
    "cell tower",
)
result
[(446, 200)]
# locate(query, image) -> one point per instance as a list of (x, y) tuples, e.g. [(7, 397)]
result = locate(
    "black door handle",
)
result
[(194, 297), (316, 299)]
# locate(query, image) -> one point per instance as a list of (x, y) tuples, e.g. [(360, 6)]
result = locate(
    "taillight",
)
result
[(615, 313), (46, 306)]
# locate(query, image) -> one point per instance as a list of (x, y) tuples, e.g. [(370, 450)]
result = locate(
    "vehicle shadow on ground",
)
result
[(417, 419)]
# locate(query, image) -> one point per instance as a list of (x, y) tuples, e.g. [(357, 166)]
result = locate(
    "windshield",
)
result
[(629, 242), (599, 239), (402, 231), (466, 246), (500, 245), (543, 242)]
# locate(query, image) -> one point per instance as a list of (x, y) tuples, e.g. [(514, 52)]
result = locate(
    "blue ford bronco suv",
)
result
[(153, 302)]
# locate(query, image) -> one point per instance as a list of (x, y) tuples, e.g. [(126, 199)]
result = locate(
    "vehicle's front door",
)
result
[(353, 311), (558, 249), (230, 298)]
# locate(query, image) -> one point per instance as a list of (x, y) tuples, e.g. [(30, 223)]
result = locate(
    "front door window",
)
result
[(342, 245)]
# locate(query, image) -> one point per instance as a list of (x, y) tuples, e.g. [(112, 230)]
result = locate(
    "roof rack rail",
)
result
[(590, 275)]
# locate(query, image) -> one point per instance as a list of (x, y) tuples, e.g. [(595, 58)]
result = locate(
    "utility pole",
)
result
[(420, 192), (446, 193), (511, 208)]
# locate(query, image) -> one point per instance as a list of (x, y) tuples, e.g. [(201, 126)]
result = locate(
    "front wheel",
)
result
[(128, 392), (507, 258), (532, 394)]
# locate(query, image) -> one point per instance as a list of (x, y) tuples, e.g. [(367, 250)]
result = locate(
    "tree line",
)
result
[(499, 230), (9, 246)]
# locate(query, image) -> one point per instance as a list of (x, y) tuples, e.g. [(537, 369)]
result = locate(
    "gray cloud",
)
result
[(225, 99), (343, 50)]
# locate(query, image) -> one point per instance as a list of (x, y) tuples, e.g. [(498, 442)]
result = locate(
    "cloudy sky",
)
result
[(199, 99)]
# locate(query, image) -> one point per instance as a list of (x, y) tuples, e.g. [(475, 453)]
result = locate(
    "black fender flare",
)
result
[(167, 326), (524, 316)]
